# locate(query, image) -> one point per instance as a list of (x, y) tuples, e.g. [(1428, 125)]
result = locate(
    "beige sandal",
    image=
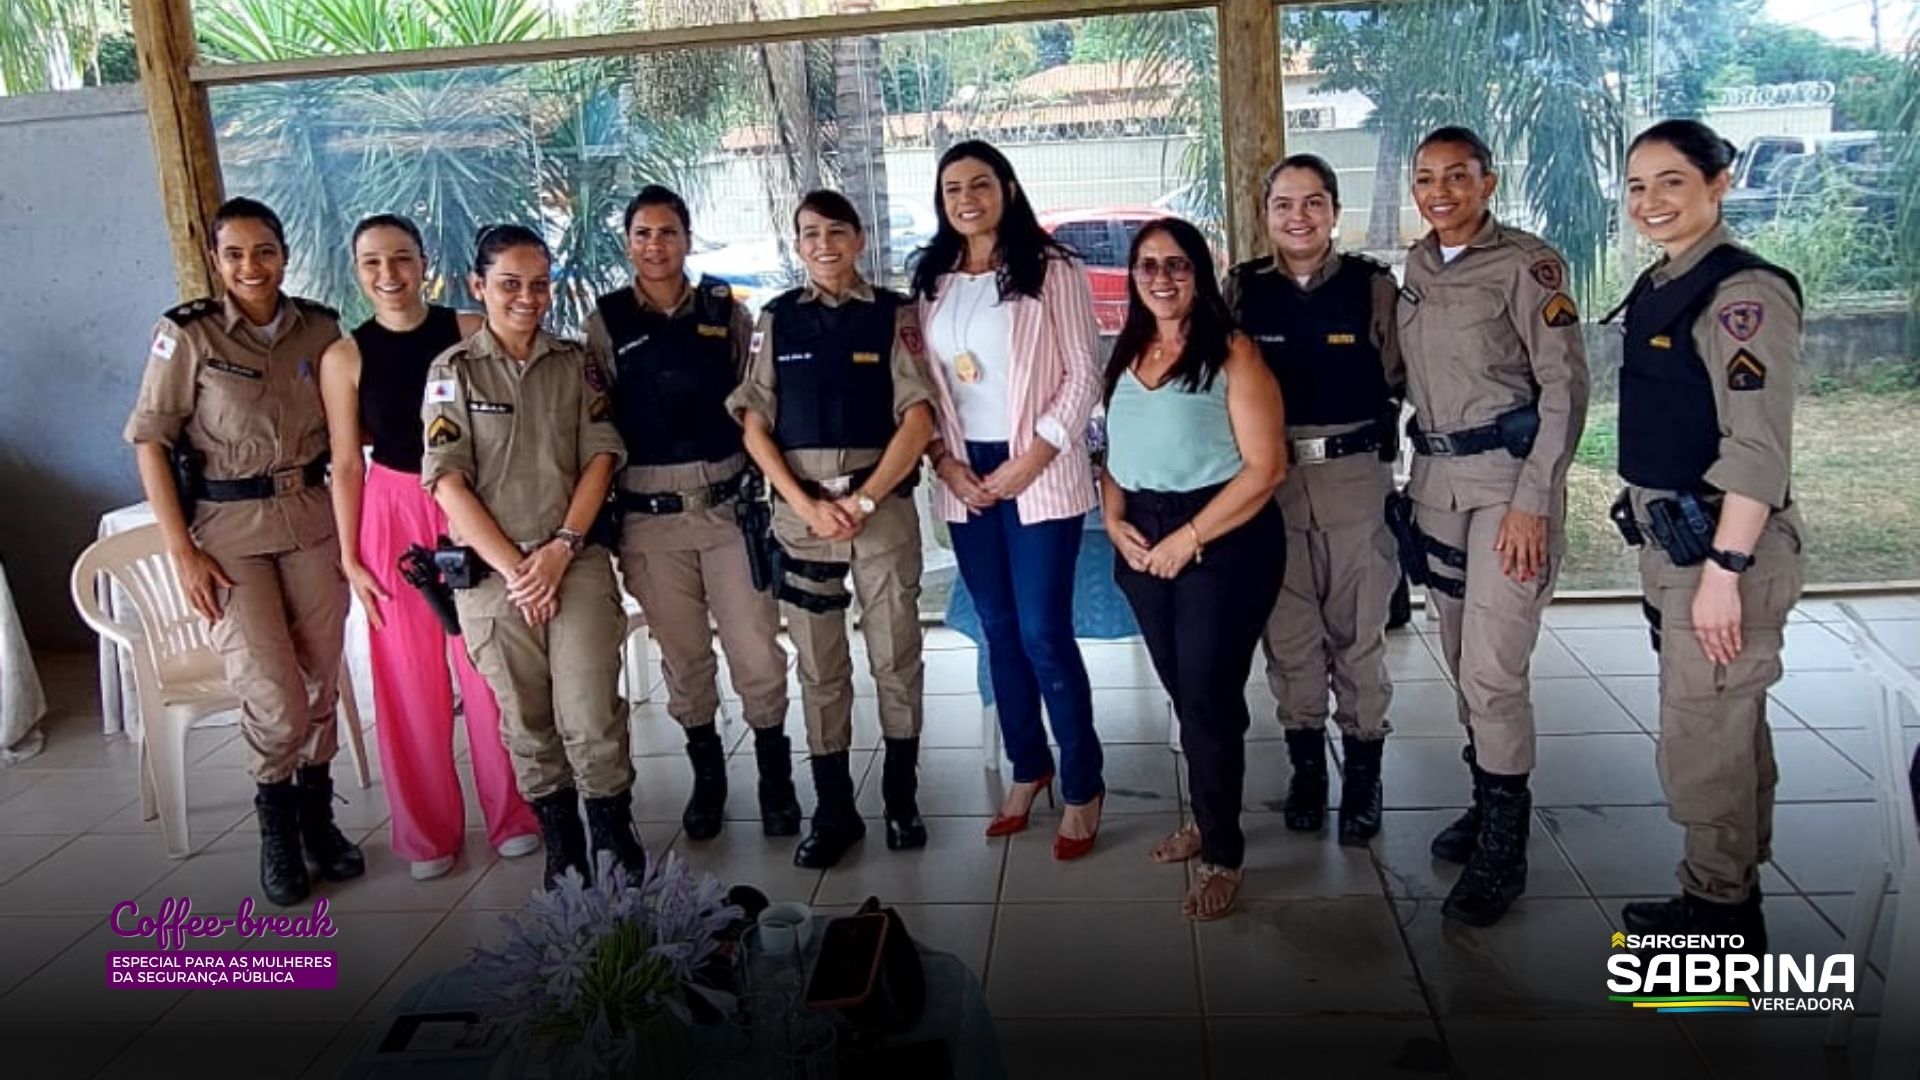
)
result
[(1213, 894), (1177, 846)]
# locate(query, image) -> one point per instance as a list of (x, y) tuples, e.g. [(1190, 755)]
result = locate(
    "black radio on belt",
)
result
[(460, 566)]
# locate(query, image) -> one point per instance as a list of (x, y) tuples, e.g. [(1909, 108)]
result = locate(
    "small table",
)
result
[(22, 701)]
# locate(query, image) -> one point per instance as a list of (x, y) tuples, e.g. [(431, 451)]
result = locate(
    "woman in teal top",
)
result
[(1196, 446)]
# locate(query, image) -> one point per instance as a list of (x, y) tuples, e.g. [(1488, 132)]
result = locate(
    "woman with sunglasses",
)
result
[(1009, 320), (1196, 446)]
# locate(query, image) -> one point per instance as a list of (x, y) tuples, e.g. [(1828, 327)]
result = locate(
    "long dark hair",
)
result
[(1209, 323), (1023, 246)]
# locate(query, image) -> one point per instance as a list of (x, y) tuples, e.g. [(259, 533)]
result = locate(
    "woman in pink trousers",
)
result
[(373, 383)]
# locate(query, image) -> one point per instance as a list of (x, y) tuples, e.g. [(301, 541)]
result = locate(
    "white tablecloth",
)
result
[(22, 703), (120, 703)]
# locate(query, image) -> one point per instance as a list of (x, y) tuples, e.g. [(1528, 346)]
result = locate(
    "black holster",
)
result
[(605, 530), (188, 467), (1683, 527), (1416, 547), (1518, 429), (754, 515), (460, 567), (418, 569)]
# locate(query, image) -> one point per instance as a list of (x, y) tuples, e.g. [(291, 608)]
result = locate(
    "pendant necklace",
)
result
[(965, 364)]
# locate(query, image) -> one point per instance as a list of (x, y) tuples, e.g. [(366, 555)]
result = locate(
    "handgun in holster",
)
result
[(419, 569), (1389, 425), (605, 530), (1407, 540), (460, 566), (1682, 526), (189, 468), (1518, 429), (754, 515), (1622, 515)]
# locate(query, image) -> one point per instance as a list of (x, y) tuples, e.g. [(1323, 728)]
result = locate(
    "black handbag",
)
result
[(869, 970)]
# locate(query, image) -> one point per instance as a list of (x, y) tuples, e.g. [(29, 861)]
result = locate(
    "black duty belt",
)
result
[(1331, 447), (284, 482), (840, 487), (681, 502), (1466, 443)]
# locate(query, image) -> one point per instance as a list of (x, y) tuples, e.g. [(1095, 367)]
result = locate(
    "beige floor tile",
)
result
[(216, 1050), (217, 800), (88, 875), (1596, 770), (28, 941), (1252, 1048), (1820, 846), (1574, 615), (1611, 650), (1092, 959), (1410, 659), (1639, 695), (951, 721), (15, 780), (388, 884), (1117, 868), (1288, 865), (76, 742), (20, 853), (958, 865), (1498, 1048), (1119, 666), (74, 984), (1552, 660), (1133, 716), (1157, 1048), (63, 1048), (1813, 647), (1140, 780), (1300, 957), (1577, 706), (69, 802), (1828, 699), (1422, 773), (1812, 770), (1407, 863), (744, 856), (369, 947), (1545, 958), (1425, 708)]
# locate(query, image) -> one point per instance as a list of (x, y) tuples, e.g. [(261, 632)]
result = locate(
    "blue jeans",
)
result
[(1021, 578)]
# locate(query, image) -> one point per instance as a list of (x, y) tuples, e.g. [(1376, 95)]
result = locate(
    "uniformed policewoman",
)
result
[(1324, 322), (1497, 377), (1706, 421), (676, 350), (837, 408), (229, 420), (521, 448)]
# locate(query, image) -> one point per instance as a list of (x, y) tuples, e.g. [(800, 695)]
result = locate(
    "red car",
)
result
[(1103, 235)]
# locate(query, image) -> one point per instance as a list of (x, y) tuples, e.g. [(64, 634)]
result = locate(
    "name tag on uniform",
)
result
[(866, 358), (1660, 341), (241, 370), (1340, 339), (631, 345), (498, 407), (440, 391), (788, 358), (1271, 339), (712, 331)]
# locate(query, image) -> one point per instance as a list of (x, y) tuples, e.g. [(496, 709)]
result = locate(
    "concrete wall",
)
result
[(91, 270)]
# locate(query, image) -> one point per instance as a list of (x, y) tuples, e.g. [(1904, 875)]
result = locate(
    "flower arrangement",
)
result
[(1096, 441), (600, 977)]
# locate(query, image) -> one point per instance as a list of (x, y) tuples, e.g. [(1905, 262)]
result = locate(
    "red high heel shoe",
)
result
[(1008, 824), (1068, 848)]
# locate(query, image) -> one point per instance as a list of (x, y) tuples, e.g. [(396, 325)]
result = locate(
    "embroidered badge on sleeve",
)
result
[(1742, 318), (1746, 372)]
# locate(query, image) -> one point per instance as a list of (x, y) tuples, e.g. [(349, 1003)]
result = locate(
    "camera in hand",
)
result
[(460, 566)]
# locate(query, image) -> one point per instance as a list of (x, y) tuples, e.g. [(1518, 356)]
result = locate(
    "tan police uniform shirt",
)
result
[(693, 528), (521, 434), (1480, 334), (252, 407), (1349, 490)]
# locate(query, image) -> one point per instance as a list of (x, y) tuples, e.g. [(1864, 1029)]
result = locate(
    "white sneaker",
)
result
[(432, 868), (524, 844)]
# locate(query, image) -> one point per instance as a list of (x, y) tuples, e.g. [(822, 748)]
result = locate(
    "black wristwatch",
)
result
[(574, 541), (1730, 561)]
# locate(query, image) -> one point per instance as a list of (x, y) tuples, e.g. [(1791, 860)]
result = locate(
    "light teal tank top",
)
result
[(1169, 439)]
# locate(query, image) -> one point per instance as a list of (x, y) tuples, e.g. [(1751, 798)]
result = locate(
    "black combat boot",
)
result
[(283, 873), (1306, 809), (1455, 842), (610, 828), (564, 836), (1496, 873), (836, 820), (1359, 789), (1689, 914), (899, 782), (779, 806), (338, 858), (707, 807)]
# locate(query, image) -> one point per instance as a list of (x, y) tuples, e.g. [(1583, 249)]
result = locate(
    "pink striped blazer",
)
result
[(1055, 374)]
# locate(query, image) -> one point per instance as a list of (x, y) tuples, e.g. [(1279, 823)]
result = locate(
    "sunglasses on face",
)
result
[(1177, 267)]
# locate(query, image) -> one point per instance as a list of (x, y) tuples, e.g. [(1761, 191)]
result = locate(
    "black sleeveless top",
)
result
[(393, 380)]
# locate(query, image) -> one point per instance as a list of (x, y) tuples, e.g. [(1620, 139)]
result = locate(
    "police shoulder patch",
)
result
[(596, 378), (1742, 318), (1560, 311), (753, 343), (1550, 273), (1371, 263), (910, 337), (1746, 372), (440, 390), (443, 431), (191, 310), (163, 345)]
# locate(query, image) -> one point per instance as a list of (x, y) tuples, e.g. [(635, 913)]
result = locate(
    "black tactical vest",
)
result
[(1320, 343), (672, 377), (833, 373), (1669, 426)]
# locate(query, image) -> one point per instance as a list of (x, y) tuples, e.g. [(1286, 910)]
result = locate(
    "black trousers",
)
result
[(1202, 628)]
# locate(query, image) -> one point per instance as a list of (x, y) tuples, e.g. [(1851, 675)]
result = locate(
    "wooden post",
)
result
[(1250, 115), (182, 126)]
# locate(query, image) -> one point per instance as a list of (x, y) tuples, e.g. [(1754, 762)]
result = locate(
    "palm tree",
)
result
[(52, 44)]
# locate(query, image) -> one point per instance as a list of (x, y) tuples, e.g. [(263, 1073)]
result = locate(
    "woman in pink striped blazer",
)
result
[(1008, 317)]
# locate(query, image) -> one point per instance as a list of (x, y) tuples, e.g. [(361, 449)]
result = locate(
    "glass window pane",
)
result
[(1558, 90)]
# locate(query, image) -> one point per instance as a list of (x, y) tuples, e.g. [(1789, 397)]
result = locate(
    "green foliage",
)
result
[(115, 63), (54, 44), (1866, 83), (1180, 47), (1822, 240), (1906, 175)]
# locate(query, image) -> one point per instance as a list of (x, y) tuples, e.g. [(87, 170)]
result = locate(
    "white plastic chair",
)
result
[(179, 679), (1897, 1056), (633, 653)]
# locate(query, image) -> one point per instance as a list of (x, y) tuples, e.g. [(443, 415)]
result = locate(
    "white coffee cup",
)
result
[(786, 928)]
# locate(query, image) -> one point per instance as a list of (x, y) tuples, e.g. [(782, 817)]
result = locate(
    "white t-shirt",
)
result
[(972, 319), (1448, 254)]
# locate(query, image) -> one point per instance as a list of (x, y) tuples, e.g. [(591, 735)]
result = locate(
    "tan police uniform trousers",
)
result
[(561, 715), (1329, 624), (885, 558), (687, 567)]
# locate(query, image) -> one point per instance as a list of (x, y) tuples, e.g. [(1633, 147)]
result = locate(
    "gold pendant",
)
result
[(965, 366)]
